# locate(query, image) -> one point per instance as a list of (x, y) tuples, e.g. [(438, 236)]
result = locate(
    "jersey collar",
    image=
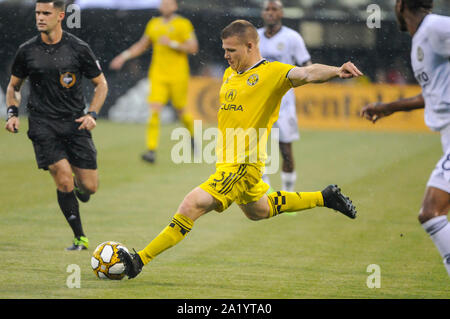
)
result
[(63, 38), (253, 67), (421, 23)]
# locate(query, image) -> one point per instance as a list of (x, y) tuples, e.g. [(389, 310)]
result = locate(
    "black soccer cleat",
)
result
[(333, 198), (132, 262), (79, 243), (82, 196), (150, 157)]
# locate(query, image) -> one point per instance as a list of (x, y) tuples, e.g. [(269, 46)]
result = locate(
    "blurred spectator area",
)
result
[(335, 31)]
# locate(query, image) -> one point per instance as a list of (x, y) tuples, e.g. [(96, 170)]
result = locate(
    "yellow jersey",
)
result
[(249, 106), (167, 63)]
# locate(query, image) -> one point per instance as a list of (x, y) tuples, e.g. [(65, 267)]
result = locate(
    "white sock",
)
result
[(288, 181), (266, 179), (439, 230)]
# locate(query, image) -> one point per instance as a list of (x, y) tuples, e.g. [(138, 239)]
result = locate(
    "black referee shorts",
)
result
[(55, 139)]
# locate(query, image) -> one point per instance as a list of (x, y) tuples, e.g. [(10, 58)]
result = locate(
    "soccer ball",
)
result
[(105, 262)]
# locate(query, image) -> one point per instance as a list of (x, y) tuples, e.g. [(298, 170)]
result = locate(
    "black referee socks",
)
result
[(70, 208)]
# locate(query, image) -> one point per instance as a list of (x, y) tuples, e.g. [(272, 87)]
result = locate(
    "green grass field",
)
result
[(314, 254)]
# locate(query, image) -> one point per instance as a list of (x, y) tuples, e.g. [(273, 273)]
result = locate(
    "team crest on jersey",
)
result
[(230, 95), (280, 46), (253, 79), (420, 54), (67, 79)]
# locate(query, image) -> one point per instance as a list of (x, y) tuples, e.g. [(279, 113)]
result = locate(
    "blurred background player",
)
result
[(55, 62), (172, 37), (257, 86), (430, 54), (280, 43)]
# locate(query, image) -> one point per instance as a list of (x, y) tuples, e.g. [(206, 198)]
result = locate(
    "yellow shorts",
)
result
[(162, 91), (240, 183)]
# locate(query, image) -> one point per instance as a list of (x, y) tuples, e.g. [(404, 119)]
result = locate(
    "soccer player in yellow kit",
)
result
[(250, 99), (173, 39)]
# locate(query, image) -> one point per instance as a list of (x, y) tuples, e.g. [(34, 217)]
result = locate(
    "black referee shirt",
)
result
[(55, 73)]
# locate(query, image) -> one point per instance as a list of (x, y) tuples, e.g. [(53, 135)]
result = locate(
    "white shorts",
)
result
[(287, 123), (440, 177)]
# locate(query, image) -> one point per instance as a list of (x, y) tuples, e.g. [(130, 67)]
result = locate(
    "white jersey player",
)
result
[(430, 59), (280, 43)]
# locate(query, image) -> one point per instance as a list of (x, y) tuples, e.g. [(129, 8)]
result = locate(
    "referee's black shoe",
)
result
[(333, 198), (82, 196), (132, 262)]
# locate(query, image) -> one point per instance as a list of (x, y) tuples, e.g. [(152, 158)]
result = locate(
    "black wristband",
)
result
[(12, 111), (93, 114)]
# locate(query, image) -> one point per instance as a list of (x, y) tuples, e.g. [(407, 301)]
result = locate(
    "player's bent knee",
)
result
[(90, 188), (255, 215), (190, 207), (254, 218), (64, 184)]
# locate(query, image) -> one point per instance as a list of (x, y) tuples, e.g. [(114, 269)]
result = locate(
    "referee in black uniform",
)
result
[(55, 62)]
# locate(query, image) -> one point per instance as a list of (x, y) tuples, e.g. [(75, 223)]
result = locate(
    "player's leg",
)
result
[(51, 154), (289, 133), (197, 203), (61, 172), (178, 92), (280, 202), (158, 98), (433, 217), (82, 156), (85, 182), (153, 132), (288, 173)]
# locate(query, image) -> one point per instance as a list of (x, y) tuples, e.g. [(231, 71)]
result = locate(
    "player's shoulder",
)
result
[(155, 19), (291, 33), (75, 41), (276, 65), (29, 43), (181, 20), (436, 22), (227, 72)]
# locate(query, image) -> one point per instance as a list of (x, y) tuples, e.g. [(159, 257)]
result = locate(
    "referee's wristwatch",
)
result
[(93, 114)]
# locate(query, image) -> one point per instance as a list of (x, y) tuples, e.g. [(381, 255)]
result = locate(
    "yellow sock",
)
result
[(170, 236), (282, 201), (153, 131), (188, 122)]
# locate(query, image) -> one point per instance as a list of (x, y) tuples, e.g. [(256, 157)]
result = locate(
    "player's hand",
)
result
[(349, 70), (87, 122), (13, 125), (164, 40), (117, 63), (374, 111)]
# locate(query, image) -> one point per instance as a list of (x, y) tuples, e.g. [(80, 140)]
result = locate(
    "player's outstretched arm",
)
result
[(319, 73), (374, 111), (13, 98), (134, 51), (190, 46)]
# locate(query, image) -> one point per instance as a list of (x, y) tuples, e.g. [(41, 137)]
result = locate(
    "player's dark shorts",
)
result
[(56, 139)]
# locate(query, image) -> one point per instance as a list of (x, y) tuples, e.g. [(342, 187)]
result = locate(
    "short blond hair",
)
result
[(243, 29)]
